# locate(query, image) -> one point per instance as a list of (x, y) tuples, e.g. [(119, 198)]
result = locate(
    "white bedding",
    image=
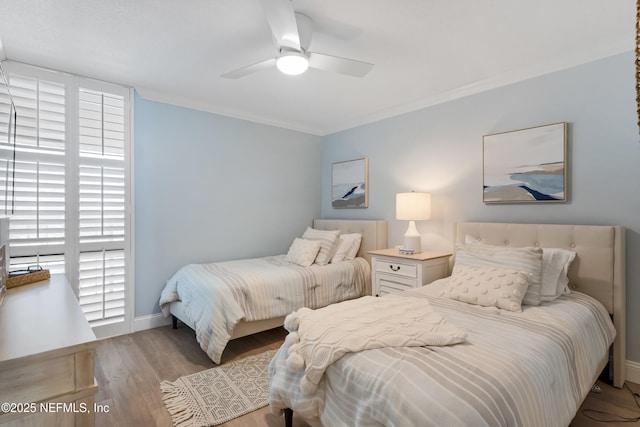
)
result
[(529, 368), (217, 296), (318, 338)]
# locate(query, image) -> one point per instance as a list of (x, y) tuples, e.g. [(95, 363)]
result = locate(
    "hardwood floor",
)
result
[(129, 370), (614, 403)]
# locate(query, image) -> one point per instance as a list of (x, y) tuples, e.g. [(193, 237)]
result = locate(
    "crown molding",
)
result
[(158, 96), (504, 79)]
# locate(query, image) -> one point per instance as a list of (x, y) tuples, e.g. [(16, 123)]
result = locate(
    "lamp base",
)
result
[(412, 239)]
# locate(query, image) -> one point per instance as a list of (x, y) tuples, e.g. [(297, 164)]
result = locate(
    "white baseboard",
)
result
[(633, 372), (151, 321)]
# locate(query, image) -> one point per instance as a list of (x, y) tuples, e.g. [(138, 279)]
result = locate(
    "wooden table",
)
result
[(47, 351)]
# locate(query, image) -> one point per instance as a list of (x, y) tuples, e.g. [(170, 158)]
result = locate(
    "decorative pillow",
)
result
[(555, 267), (525, 259), (556, 262), (327, 239), (303, 252), (472, 240), (355, 247), (347, 247), (488, 286)]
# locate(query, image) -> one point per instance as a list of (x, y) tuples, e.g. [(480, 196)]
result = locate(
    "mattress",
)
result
[(217, 296), (529, 368)]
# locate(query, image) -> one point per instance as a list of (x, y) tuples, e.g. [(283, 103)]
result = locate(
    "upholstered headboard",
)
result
[(374, 232), (598, 269)]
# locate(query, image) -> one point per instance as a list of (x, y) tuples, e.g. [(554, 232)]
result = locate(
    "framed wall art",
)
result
[(350, 184), (527, 165)]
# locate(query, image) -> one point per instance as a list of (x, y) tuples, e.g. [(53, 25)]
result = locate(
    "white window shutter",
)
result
[(102, 205), (72, 188), (37, 234), (102, 286)]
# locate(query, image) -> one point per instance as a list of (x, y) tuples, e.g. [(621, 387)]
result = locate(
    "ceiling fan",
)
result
[(292, 33)]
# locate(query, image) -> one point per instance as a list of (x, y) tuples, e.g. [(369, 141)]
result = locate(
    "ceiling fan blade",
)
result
[(336, 64), (282, 20), (305, 30), (249, 69)]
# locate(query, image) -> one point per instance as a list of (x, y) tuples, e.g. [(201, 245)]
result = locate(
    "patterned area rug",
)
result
[(219, 394)]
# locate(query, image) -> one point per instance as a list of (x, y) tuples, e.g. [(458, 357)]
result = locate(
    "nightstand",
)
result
[(392, 272)]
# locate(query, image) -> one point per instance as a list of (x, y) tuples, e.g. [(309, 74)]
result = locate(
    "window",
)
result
[(72, 188)]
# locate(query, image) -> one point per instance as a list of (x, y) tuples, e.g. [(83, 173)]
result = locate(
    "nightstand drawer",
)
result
[(393, 285), (396, 268), (392, 272)]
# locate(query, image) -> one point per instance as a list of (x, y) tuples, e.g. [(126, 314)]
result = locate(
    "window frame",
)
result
[(72, 161)]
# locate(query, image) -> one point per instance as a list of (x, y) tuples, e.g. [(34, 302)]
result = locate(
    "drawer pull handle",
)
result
[(394, 268)]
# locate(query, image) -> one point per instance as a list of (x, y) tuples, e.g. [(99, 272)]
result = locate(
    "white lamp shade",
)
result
[(413, 206)]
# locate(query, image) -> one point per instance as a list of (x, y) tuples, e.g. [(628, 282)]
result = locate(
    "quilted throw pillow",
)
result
[(303, 252), (488, 287), (525, 259), (327, 239)]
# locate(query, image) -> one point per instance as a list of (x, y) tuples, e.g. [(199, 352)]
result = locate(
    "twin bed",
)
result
[(515, 368), (227, 300), (532, 367)]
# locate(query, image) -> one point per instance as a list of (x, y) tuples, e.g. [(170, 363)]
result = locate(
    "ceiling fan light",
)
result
[(292, 63)]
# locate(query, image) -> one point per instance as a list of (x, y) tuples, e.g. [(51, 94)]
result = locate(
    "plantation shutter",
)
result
[(72, 208), (102, 165), (37, 233)]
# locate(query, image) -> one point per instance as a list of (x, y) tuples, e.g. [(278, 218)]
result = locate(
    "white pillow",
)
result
[(487, 286), (303, 252), (556, 262), (555, 267), (347, 247), (525, 259), (355, 247), (327, 239)]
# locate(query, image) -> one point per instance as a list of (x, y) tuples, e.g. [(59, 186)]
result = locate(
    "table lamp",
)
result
[(413, 207)]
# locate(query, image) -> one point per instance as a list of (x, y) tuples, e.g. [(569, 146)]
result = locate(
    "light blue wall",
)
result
[(209, 187), (212, 188), (439, 150)]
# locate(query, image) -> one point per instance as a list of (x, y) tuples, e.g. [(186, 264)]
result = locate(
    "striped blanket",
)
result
[(217, 296), (532, 368), (318, 338)]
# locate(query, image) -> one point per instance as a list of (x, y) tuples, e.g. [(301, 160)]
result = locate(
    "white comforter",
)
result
[(515, 369), (217, 296), (318, 338)]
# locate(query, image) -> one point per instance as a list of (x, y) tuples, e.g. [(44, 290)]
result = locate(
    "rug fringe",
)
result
[(177, 404), (188, 407)]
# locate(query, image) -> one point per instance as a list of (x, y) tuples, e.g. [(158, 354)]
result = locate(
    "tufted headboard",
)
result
[(598, 269)]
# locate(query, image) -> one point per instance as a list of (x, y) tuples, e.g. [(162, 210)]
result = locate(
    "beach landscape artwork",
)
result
[(527, 165), (349, 185)]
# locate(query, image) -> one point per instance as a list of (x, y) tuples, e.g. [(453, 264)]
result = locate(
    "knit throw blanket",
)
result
[(317, 338)]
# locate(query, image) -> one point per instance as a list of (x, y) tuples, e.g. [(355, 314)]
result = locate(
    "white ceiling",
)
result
[(424, 51)]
